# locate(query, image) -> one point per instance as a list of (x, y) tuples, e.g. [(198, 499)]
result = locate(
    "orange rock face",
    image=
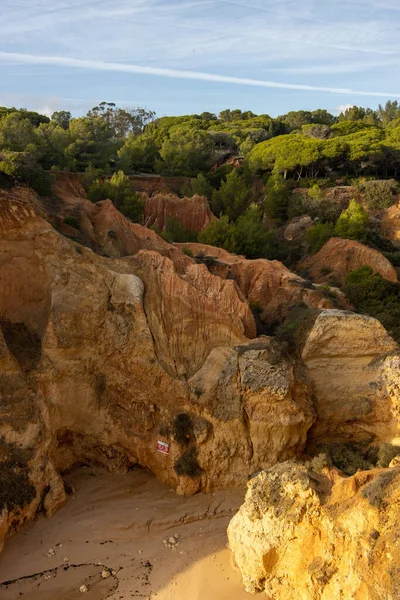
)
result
[(338, 257), (194, 213), (389, 224), (103, 357), (269, 287)]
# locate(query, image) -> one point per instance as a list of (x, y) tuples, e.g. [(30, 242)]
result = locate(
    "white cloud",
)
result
[(342, 108), (97, 65)]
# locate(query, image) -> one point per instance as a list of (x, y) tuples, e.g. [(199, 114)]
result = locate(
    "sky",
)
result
[(189, 56)]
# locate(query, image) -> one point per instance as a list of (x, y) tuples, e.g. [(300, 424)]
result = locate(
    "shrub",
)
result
[(315, 193), (182, 429), (372, 295), (252, 237), (375, 491), (352, 223), (187, 463), (231, 199), (119, 190), (276, 197), (347, 456), (220, 233), (72, 222), (16, 490), (199, 185), (176, 232), (380, 193), (318, 235), (24, 167)]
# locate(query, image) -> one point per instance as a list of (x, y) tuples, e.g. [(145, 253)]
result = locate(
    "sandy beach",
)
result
[(109, 537)]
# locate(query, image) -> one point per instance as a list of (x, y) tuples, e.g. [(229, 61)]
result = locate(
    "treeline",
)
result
[(108, 139)]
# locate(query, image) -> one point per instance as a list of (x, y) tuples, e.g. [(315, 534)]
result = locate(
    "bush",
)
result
[(176, 232), (347, 456), (380, 193), (315, 193), (232, 197), (375, 491), (276, 198), (253, 238), (24, 167), (220, 233), (372, 295), (318, 235), (352, 223), (199, 186), (119, 190), (182, 429), (187, 463), (72, 222)]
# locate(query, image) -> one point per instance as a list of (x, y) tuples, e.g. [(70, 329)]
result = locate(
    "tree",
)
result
[(253, 238), (16, 133), (388, 113), (220, 233), (118, 189), (276, 198), (61, 118), (352, 223), (120, 121), (232, 197), (199, 185), (139, 153), (186, 152), (318, 235)]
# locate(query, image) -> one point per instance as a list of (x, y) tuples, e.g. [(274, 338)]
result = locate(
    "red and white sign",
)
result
[(162, 447)]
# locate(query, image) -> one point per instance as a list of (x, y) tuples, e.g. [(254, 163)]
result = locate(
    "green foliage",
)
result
[(118, 189), (315, 193), (25, 168), (139, 154), (221, 233), (372, 295), (199, 185), (232, 197), (379, 193), (72, 221), (252, 237), (276, 198), (61, 118), (186, 152), (176, 232), (318, 235), (352, 223), (248, 236)]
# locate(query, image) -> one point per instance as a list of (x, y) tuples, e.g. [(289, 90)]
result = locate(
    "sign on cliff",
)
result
[(162, 447)]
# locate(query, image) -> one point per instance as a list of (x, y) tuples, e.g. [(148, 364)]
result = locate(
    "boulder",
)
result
[(354, 365), (307, 535), (338, 257)]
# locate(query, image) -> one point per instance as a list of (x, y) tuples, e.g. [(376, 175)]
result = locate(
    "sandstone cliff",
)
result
[(338, 257), (193, 213), (317, 536), (103, 358)]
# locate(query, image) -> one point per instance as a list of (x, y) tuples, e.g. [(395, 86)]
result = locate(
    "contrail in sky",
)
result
[(99, 65)]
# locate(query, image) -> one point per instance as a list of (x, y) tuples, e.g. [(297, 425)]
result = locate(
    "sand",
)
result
[(117, 523)]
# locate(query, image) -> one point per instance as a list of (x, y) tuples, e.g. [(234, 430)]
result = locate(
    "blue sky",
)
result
[(179, 57)]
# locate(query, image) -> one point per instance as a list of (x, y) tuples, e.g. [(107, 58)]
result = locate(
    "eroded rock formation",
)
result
[(193, 213), (338, 257), (355, 368), (318, 536)]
